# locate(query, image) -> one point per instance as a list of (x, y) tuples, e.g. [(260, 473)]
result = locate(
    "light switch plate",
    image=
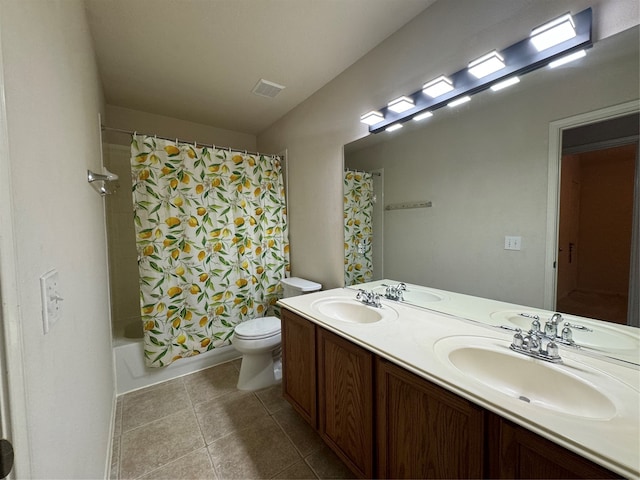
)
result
[(512, 243), (51, 299)]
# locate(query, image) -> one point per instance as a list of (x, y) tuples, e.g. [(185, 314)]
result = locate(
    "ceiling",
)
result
[(199, 60)]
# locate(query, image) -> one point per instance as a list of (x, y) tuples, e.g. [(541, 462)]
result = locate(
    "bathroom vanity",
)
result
[(404, 392)]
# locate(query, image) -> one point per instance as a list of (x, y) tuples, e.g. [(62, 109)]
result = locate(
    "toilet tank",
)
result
[(295, 286)]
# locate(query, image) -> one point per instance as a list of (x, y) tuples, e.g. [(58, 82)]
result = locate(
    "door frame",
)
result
[(13, 401), (556, 129)]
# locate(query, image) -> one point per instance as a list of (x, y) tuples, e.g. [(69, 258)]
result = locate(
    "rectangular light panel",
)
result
[(438, 86), (504, 84), (486, 65), (553, 33), (459, 101), (372, 117), (568, 58), (401, 104), (422, 116)]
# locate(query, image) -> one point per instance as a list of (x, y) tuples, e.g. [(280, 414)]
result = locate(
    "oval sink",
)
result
[(352, 311), (420, 296), (603, 337), (535, 382), (415, 295)]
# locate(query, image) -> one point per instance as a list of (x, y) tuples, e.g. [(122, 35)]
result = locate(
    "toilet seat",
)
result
[(258, 328)]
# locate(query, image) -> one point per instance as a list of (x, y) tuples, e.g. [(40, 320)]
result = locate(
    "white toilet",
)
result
[(259, 342)]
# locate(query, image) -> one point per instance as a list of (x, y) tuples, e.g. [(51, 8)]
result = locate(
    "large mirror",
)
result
[(461, 200)]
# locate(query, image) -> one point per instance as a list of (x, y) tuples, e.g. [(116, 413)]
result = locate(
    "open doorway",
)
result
[(596, 219)]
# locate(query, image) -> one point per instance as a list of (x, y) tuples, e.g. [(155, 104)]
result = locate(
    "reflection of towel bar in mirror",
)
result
[(406, 205)]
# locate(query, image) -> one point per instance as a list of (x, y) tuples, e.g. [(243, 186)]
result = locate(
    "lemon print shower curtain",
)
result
[(211, 233), (358, 230)]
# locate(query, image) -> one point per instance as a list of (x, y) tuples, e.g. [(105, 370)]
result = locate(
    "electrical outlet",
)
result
[(51, 299), (512, 243)]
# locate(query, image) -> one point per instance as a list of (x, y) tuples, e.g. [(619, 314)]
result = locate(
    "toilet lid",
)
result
[(258, 327)]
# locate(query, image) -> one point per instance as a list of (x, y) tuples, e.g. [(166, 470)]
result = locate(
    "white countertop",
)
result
[(419, 340)]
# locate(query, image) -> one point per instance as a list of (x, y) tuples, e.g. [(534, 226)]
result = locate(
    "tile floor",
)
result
[(201, 427)]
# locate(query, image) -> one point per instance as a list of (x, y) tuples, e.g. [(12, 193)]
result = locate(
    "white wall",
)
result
[(53, 97), (442, 39), (163, 126)]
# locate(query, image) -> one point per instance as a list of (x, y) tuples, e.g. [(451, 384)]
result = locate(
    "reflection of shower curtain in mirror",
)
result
[(358, 231), (212, 243)]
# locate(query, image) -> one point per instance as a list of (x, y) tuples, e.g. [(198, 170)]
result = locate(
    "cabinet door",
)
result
[(425, 431), (345, 391), (523, 454), (299, 365)]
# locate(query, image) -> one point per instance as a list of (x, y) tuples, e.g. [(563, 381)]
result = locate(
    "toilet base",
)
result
[(259, 371)]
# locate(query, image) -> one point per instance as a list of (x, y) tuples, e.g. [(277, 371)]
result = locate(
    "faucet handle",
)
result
[(535, 326), (552, 350), (577, 327), (567, 334), (518, 340)]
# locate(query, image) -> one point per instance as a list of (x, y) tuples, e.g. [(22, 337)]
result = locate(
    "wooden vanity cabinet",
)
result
[(425, 431), (385, 422), (299, 365), (520, 453), (345, 400)]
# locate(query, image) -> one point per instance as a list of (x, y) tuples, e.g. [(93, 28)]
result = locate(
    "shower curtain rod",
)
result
[(362, 171), (177, 140)]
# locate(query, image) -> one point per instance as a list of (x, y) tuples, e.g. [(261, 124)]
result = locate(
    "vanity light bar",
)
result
[(568, 58), (486, 65), (553, 33), (495, 70), (401, 104)]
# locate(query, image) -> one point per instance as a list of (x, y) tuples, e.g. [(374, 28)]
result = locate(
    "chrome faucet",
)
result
[(544, 345), (369, 298), (551, 326), (564, 336), (394, 292), (536, 345)]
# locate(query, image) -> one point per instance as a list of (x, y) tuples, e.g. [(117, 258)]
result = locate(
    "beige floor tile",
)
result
[(230, 413), (258, 452), (211, 383), (326, 464), (153, 403), (272, 398), (196, 465), (298, 471), (158, 443), (301, 434)]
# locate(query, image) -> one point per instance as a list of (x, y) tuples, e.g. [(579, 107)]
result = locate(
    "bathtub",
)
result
[(132, 374)]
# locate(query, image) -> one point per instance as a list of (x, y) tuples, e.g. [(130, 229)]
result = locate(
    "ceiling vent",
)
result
[(265, 88)]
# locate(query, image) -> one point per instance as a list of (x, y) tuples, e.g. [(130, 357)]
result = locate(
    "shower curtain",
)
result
[(211, 233), (358, 231)]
